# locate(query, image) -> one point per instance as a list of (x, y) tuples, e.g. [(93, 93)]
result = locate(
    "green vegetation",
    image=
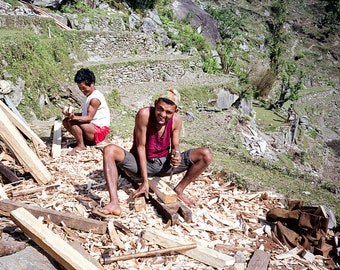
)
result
[(42, 61)]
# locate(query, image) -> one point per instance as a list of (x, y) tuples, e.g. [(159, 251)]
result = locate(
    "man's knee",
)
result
[(108, 150), (207, 155)]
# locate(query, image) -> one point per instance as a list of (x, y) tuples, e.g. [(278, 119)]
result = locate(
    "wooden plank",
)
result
[(50, 242), (18, 145), (259, 260), (21, 125), (162, 190), (70, 220), (56, 146), (203, 254)]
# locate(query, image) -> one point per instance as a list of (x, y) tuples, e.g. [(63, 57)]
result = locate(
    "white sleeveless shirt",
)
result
[(102, 116)]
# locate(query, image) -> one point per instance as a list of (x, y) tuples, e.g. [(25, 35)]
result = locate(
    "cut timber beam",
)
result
[(206, 255), (18, 145), (50, 242), (22, 126), (162, 190), (56, 147), (70, 220)]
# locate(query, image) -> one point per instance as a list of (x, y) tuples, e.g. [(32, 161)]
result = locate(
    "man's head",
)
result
[(166, 106), (171, 96), (85, 75), (85, 80)]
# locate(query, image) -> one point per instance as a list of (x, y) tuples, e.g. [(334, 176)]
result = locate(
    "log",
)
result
[(18, 145), (56, 146), (8, 175), (203, 254), (21, 125), (50, 242), (70, 220), (259, 260), (162, 190), (107, 260)]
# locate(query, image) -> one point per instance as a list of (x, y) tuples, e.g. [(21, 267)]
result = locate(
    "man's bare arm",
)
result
[(141, 122)]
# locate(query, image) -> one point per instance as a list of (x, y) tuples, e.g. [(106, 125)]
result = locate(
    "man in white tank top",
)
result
[(92, 125)]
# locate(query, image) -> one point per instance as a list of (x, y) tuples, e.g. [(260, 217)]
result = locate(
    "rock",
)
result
[(198, 19), (225, 99), (5, 87), (27, 259)]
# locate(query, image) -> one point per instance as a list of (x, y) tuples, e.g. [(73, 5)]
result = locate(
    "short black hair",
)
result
[(85, 75)]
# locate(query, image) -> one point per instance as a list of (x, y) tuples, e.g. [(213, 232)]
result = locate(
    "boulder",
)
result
[(199, 19)]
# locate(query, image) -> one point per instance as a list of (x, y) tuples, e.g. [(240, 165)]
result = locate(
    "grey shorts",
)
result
[(156, 166)]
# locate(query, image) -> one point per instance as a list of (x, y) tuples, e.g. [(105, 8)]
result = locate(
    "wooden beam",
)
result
[(70, 220), (162, 190), (21, 125), (50, 242), (18, 145), (203, 254), (259, 260), (56, 146)]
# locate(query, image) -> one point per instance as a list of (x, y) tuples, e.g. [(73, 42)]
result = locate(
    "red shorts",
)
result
[(100, 133)]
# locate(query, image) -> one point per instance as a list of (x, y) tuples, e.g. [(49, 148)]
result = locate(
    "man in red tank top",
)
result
[(155, 151)]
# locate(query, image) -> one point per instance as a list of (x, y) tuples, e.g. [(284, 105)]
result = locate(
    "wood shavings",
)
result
[(226, 218)]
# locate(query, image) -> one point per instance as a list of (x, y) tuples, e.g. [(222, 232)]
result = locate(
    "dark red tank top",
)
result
[(156, 146)]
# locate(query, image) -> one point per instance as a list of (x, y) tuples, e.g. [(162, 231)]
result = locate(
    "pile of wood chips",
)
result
[(227, 219)]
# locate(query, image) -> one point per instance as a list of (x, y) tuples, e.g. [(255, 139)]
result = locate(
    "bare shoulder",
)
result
[(144, 112), (177, 119), (142, 115)]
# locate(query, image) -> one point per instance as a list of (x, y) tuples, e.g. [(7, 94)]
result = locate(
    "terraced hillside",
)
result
[(137, 67)]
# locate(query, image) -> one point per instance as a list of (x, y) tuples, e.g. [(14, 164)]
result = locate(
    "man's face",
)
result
[(164, 112), (86, 90)]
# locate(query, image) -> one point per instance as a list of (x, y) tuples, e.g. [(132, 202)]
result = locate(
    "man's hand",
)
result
[(143, 189), (175, 159), (68, 111)]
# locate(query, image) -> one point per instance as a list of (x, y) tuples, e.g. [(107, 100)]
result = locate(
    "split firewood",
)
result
[(107, 260), (10, 246), (114, 235)]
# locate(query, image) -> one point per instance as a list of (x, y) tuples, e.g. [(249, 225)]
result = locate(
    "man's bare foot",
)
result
[(105, 212), (189, 202), (75, 150)]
